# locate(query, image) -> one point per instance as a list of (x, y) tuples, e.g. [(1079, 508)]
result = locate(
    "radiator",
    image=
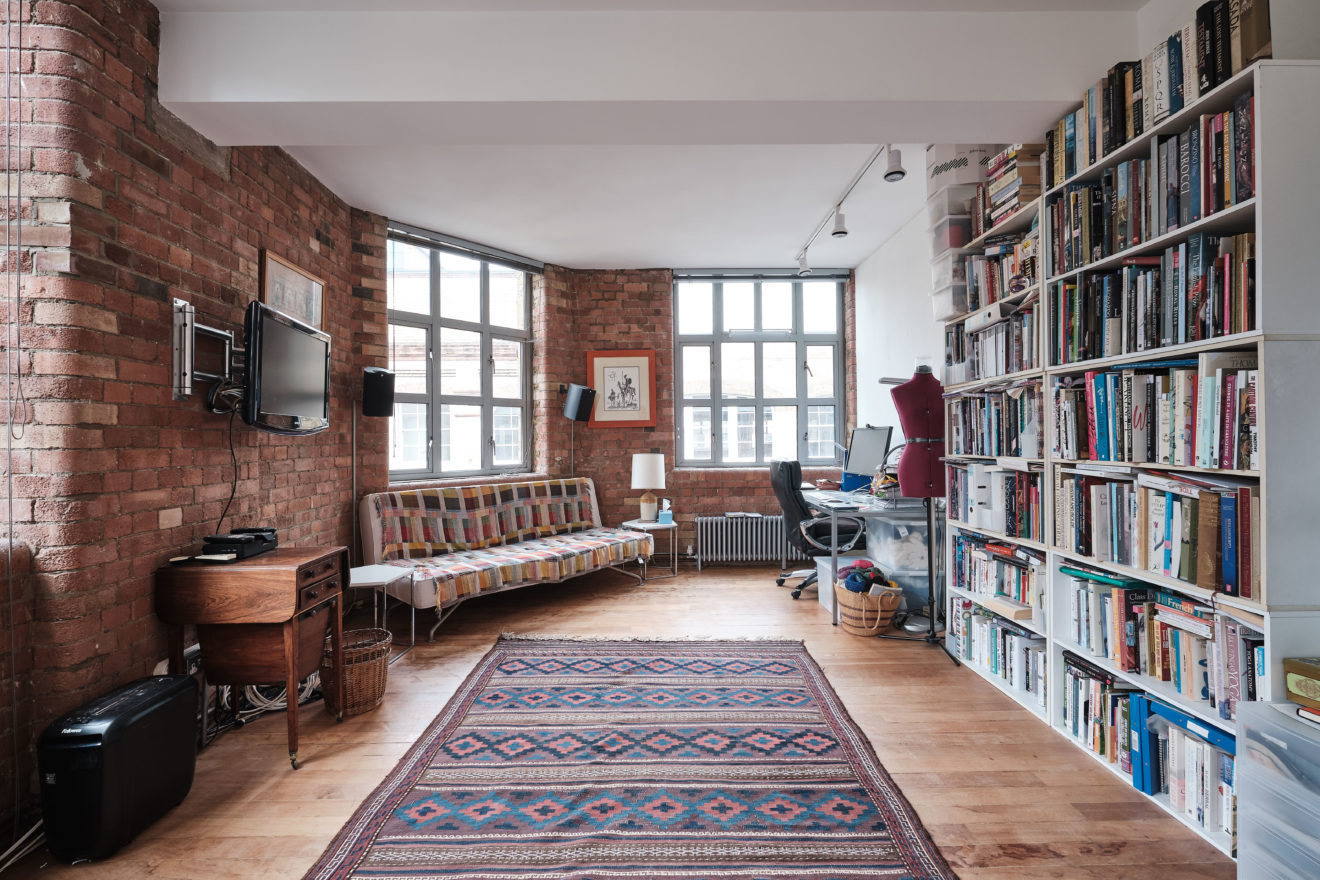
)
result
[(743, 539)]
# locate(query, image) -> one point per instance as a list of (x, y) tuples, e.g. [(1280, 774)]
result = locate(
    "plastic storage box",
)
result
[(1278, 793), (898, 543), (948, 268), (951, 232), (949, 201), (949, 302)]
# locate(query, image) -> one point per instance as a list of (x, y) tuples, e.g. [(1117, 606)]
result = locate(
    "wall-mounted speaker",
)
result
[(578, 405), (377, 392)]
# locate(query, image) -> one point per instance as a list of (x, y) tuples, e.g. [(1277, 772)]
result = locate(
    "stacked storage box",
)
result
[(1278, 793)]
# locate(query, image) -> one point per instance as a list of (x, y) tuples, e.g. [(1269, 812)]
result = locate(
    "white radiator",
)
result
[(743, 539)]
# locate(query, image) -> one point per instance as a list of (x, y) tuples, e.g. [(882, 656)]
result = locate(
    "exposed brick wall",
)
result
[(127, 210)]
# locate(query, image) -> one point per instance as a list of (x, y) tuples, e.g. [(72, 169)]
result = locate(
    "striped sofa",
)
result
[(464, 541)]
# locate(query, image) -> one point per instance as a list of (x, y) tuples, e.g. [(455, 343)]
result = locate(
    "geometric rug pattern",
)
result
[(638, 760)]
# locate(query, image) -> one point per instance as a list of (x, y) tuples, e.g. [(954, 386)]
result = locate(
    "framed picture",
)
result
[(625, 388), (291, 290)]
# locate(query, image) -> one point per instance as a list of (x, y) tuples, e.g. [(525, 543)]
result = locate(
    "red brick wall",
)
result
[(129, 209)]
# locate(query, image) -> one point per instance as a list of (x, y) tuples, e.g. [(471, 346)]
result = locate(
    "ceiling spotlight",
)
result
[(840, 230), (803, 269), (895, 172)]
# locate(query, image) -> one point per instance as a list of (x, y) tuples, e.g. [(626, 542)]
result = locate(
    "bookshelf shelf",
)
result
[(1018, 221), (997, 536), (1011, 299), (1284, 614), (1003, 606), (1168, 352), (1024, 699), (1232, 219)]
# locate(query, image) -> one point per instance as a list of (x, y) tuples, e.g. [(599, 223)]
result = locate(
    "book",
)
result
[(1255, 25)]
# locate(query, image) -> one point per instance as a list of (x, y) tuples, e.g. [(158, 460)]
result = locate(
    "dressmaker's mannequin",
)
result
[(920, 405)]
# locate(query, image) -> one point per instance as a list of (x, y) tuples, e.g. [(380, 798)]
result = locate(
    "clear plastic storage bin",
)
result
[(949, 201), (951, 232), (1278, 793), (948, 268), (949, 302)]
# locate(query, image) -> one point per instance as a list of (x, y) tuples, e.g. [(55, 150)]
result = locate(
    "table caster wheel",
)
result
[(796, 594), (293, 760)]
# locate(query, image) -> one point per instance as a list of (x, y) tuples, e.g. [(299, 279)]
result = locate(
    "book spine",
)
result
[(1228, 543)]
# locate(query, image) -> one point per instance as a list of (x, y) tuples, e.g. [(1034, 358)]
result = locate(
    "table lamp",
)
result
[(648, 472)]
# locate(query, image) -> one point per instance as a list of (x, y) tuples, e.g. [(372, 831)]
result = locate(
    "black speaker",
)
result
[(578, 405), (377, 392)]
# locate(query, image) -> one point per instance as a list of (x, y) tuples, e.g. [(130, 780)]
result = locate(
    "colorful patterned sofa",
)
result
[(467, 541)]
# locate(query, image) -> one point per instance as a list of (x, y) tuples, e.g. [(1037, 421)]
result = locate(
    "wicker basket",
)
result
[(865, 615), (366, 665)]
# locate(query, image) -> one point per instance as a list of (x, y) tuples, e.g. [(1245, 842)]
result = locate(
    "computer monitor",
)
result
[(867, 449)]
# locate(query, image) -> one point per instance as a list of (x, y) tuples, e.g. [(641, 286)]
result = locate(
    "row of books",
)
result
[(1012, 182), (1203, 288), (997, 421), (1202, 530), (1135, 96), (1198, 413), (1001, 499), (1207, 657), (1009, 345), (1008, 266), (1165, 750), (1188, 176), (1003, 571), (1016, 656)]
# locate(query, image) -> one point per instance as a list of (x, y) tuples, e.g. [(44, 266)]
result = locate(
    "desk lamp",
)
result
[(648, 473)]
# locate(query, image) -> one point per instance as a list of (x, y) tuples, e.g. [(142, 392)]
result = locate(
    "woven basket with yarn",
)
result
[(864, 615)]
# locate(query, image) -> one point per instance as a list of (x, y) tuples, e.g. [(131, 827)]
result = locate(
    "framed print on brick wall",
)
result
[(625, 388), (288, 289)]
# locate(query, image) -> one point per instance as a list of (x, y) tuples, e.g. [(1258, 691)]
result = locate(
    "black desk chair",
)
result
[(807, 530)]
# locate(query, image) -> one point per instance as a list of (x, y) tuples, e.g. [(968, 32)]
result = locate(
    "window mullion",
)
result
[(716, 374)]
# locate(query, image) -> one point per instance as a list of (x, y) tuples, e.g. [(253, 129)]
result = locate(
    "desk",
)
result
[(845, 505), (260, 620)]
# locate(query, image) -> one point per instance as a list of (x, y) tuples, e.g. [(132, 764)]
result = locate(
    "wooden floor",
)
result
[(1004, 797)]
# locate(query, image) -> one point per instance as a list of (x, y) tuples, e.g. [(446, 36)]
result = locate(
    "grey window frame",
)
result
[(432, 324), (759, 336)]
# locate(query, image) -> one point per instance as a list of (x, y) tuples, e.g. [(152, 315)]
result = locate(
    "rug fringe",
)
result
[(509, 636)]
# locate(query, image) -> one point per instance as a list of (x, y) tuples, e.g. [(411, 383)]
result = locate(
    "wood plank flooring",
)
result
[(1004, 797)]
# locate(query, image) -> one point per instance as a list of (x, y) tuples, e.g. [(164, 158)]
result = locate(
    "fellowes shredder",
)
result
[(113, 766)]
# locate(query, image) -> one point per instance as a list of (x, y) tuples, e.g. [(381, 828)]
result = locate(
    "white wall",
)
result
[(1160, 18), (895, 324)]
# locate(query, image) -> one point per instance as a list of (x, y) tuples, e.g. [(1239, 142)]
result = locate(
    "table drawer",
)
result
[(314, 571), (313, 593)]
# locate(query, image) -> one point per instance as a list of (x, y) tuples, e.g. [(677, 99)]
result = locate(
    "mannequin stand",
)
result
[(932, 635)]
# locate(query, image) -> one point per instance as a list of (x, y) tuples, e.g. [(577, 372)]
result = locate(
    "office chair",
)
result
[(805, 529)]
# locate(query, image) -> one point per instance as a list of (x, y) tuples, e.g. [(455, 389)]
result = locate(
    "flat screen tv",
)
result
[(287, 386)]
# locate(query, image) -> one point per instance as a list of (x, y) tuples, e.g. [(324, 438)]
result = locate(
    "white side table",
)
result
[(648, 526), (378, 579)]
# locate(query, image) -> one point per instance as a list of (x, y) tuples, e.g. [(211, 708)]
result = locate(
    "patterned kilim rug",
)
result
[(570, 760)]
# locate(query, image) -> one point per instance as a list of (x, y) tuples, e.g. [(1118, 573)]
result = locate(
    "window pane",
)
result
[(409, 429), (820, 305), (696, 433), (820, 371), (820, 433), (460, 438), (507, 435), (696, 308), (408, 278), (778, 370), (460, 362), (460, 288), (408, 359), (776, 305), (508, 297), (739, 306), (779, 433), (738, 433), (696, 372), (738, 370), (507, 381)]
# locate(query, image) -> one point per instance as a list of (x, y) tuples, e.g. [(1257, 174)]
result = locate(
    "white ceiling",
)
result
[(641, 133)]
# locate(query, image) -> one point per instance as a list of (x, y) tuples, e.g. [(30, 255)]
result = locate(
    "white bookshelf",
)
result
[(1286, 340)]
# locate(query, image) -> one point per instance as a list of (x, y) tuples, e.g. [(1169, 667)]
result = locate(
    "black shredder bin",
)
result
[(115, 765)]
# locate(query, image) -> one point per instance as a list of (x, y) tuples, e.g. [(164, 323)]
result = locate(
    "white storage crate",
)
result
[(949, 302), (955, 164), (948, 268), (951, 232), (949, 201)]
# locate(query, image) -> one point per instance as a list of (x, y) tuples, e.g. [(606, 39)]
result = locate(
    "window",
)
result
[(460, 347), (762, 360)]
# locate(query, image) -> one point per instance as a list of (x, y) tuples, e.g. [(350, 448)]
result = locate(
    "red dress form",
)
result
[(920, 407)]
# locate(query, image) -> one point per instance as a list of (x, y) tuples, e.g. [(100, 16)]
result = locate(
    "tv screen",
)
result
[(287, 385)]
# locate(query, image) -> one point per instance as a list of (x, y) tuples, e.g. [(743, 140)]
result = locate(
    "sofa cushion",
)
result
[(421, 523)]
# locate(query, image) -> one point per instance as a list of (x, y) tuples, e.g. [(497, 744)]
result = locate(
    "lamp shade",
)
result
[(648, 470)]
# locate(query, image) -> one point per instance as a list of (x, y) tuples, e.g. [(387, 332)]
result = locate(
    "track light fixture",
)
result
[(803, 269), (894, 172), (840, 229)]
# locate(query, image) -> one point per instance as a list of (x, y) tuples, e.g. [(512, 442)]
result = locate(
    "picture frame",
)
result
[(625, 388), (293, 291)]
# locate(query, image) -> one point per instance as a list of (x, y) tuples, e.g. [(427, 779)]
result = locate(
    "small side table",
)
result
[(648, 526), (379, 578)]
